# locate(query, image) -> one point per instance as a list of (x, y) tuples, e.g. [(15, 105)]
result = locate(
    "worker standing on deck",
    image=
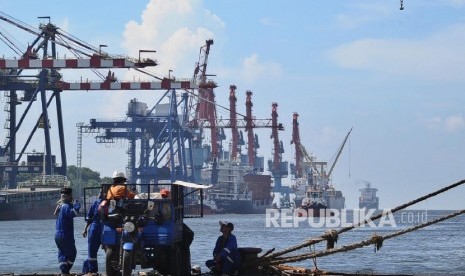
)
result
[(226, 257), (64, 234), (93, 232)]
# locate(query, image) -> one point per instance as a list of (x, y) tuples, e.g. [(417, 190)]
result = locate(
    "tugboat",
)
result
[(314, 203), (368, 198)]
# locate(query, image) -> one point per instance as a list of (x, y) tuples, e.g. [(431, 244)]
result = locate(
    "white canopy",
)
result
[(191, 185)]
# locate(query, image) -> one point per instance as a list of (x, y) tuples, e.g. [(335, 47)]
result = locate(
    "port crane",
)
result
[(235, 147), (304, 162), (310, 174), (203, 115), (278, 167), (203, 109), (251, 150), (312, 169), (152, 155), (296, 169), (157, 140), (49, 78)]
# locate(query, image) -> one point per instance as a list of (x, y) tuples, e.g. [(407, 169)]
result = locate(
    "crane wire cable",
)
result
[(9, 41)]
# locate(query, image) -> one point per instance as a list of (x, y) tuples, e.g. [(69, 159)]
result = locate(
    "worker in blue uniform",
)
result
[(226, 256), (93, 232), (64, 231)]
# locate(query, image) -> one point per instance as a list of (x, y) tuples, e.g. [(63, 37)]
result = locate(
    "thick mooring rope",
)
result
[(333, 235), (376, 239)]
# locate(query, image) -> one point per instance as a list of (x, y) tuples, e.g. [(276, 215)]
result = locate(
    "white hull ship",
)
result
[(368, 198)]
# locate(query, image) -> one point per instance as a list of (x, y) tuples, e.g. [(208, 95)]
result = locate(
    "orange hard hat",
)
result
[(164, 192)]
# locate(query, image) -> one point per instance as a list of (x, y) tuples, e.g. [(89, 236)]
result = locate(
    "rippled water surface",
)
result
[(28, 246)]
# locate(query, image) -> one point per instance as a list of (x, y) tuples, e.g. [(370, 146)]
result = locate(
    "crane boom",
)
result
[(88, 86), (94, 62), (339, 152), (309, 159)]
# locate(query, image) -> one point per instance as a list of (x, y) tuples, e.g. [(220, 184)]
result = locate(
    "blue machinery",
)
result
[(159, 140)]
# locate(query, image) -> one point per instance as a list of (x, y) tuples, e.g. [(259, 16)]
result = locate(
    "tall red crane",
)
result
[(233, 122), (275, 137), (204, 103), (278, 168), (204, 107), (298, 149), (251, 151)]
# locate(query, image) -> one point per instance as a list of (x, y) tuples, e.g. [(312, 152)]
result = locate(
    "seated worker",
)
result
[(226, 257), (118, 189)]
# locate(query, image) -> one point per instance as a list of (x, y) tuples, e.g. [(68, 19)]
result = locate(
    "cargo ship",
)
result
[(368, 198), (33, 199), (239, 190)]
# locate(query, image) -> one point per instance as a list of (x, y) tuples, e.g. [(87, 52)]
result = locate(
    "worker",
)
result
[(226, 257), (166, 206), (118, 189), (164, 193), (93, 232), (196, 270), (66, 211)]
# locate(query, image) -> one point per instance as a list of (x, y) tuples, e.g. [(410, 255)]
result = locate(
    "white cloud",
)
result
[(176, 29), (438, 57), (433, 123), (268, 22), (253, 69), (458, 3), (364, 14), (451, 123), (454, 123)]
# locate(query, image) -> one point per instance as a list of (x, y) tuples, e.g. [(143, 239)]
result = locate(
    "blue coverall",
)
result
[(64, 236), (94, 238), (229, 255)]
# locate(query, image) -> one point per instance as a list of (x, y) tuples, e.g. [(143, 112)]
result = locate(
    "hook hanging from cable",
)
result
[(401, 5)]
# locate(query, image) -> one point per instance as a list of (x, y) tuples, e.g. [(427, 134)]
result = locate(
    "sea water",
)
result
[(28, 246)]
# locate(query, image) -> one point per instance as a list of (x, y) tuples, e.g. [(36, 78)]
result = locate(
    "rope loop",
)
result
[(331, 237), (378, 241)]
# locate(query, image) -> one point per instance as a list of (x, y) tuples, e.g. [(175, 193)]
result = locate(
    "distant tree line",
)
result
[(89, 178)]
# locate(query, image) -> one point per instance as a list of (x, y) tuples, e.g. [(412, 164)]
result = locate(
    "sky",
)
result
[(397, 77)]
